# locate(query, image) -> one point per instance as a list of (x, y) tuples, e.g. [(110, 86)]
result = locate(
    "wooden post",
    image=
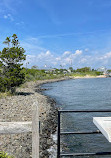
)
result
[(35, 131)]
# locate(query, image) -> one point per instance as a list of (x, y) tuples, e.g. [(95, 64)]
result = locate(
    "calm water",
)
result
[(82, 94)]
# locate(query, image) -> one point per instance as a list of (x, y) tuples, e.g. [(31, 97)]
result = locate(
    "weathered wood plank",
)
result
[(15, 127), (35, 131), (23, 127)]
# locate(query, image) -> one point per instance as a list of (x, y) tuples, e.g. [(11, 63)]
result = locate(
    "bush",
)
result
[(2, 84), (5, 155)]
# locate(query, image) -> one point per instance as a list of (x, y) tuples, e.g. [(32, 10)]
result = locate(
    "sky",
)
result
[(59, 33)]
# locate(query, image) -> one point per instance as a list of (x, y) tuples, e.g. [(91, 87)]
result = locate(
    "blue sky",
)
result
[(60, 32)]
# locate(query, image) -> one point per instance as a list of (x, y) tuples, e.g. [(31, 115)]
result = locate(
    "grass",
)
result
[(5, 155), (83, 74), (35, 77), (5, 94)]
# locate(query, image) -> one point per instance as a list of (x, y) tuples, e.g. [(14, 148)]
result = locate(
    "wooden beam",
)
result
[(35, 131), (15, 127), (23, 127)]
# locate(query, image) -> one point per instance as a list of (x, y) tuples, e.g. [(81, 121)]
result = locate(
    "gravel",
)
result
[(19, 108)]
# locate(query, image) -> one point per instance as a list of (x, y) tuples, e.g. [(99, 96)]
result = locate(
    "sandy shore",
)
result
[(19, 108), (88, 76)]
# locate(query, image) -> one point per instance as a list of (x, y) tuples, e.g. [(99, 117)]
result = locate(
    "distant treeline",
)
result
[(37, 74)]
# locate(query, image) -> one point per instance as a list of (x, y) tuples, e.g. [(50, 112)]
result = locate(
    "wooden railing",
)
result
[(24, 127)]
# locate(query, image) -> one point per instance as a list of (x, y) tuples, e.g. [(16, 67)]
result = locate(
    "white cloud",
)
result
[(83, 60), (9, 8), (31, 56), (76, 60), (41, 59), (105, 56), (66, 53), (48, 53), (58, 59), (86, 49), (5, 16), (78, 52), (45, 55), (19, 23), (67, 60), (54, 63), (40, 56), (8, 16)]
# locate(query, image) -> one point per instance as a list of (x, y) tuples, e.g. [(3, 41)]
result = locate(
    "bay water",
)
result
[(92, 93)]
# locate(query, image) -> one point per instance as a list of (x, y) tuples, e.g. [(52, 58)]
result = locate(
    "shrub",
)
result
[(5, 155)]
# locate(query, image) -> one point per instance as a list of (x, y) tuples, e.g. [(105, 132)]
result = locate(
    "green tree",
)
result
[(34, 67), (11, 58), (84, 69), (71, 69)]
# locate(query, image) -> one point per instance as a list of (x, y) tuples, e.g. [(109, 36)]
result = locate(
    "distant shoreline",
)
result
[(87, 76)]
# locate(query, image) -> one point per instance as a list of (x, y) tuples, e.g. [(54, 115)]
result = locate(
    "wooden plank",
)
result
[(104, 125), (15, 127), (35, 131), (22, 127)]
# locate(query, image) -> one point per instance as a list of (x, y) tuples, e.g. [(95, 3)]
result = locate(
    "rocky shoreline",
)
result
[(19, 108)]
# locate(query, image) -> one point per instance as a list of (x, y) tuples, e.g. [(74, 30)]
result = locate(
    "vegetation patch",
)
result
[(5, 94), (5, 155), (11, 72)]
